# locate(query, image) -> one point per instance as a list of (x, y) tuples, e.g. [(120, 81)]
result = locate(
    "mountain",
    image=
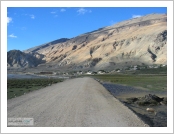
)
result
[(16, 58), (37, 48), (136, 41)]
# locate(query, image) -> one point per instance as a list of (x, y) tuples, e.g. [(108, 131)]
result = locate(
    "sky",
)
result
[(28, 27)]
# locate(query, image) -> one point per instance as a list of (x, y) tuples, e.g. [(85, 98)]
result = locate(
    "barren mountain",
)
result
[(131, 42), (16, 58)]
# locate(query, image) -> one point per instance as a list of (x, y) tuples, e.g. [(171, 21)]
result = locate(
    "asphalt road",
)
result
[(80, 102)]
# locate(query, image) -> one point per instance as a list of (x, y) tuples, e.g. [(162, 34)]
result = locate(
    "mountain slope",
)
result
[(37, 48), (135, 41), (16, 58)]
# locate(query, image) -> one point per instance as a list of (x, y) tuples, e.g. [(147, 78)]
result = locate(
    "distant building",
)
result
[(89, 72), (80, 72), (135, 68), (156, 67), (112, 71), (65, 73), (101, 72), (150, 66), (55, 73), (118, 71)]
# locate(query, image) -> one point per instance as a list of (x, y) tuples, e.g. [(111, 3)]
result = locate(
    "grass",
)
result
[(151, 82), (150, 78), (160, 70), (18, 87)]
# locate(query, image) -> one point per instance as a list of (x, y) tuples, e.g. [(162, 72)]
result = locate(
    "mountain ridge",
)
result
[(135, 41), (17, 58), (34, 49)]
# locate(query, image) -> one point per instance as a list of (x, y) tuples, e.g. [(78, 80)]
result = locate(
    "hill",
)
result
[(18, 59), (131, 42)]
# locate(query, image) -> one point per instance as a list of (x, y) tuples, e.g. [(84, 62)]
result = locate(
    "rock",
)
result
[(153, 97), (164, 102), (132, 100), (143, 103), (150, 110), (148, 100)]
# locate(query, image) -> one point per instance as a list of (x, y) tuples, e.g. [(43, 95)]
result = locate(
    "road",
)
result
[(79, 102)]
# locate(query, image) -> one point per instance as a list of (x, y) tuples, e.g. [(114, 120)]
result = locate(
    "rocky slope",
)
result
[(135, 41), (37, 48), (16, 58)]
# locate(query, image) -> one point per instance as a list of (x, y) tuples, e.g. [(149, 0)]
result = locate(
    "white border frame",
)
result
[(5, 4)]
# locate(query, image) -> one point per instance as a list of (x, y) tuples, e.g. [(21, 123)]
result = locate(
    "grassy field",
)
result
[(151, 82), (151, 78), (17, 87), (160, 70)]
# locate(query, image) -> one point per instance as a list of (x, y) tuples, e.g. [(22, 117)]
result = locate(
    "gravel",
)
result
[(80, 102)]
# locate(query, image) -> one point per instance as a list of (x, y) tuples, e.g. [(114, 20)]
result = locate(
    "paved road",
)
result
[(80, 102)]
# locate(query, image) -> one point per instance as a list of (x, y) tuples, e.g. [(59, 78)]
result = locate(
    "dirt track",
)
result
[(80, 102)]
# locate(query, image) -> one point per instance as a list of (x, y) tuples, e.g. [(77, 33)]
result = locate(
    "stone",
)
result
[(147, 100), (150, 110)]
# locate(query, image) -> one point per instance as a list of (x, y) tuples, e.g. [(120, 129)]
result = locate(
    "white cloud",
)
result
[(12, 36), (136, 16), (32, 16), (62, 10), (9, 19), (82, 11)]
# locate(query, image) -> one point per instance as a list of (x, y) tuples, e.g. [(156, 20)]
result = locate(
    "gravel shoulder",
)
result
[(80, 102)]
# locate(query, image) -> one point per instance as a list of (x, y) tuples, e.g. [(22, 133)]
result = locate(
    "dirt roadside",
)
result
[(80, 102)]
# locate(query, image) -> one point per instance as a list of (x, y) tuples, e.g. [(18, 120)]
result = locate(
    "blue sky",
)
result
[(32, 26)]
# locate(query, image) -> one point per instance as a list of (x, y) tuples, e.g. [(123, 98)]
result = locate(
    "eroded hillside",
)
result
[(135, 41)]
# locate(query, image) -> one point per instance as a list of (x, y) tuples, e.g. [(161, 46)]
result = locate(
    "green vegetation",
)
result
[(17, 87), (148, 78), (152, 82), (160, 70)]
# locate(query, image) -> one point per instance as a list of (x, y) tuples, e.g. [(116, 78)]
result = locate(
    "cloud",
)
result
[(136, 16), (32, 16), (82, 11), (9, 19), (62, 10), (12, 36)]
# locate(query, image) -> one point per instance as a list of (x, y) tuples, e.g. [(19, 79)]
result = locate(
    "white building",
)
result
[(89, 72)]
